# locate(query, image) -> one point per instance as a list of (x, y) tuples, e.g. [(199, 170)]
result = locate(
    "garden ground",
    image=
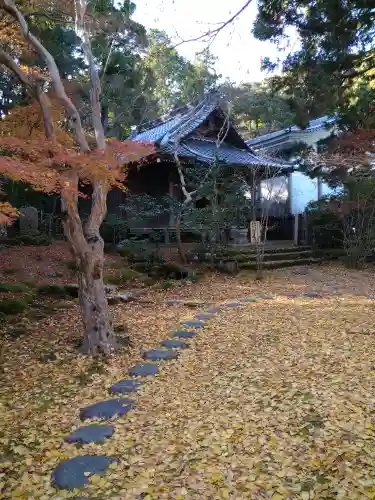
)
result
[(271, 400)]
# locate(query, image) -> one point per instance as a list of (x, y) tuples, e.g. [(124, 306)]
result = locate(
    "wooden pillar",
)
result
[(296, 221), (290, 190), (320, 188)]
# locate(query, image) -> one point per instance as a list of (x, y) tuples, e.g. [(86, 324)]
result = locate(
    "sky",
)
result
[(238, 52)]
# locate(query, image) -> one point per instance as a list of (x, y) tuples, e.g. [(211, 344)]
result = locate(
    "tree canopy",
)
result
[(332, 64)]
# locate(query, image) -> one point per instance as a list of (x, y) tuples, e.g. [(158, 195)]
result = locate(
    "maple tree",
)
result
[(46, 145)]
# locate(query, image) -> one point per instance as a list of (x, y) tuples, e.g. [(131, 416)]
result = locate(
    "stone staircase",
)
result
[(274, 257)]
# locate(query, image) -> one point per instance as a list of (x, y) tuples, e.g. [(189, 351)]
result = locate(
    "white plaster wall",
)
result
[(304, 189)]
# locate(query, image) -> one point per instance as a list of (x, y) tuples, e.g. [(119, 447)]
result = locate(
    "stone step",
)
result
[(268, 249), (76, 472), (94, 433), (105, 410), (277, 256), (280, 263), (160, 354), (126, 386)]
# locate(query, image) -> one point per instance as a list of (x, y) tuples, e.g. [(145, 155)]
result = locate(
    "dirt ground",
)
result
[(272, 400)]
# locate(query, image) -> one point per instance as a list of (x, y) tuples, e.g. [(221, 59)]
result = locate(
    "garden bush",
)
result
[(13, 306), (57, 290), (35, 239)]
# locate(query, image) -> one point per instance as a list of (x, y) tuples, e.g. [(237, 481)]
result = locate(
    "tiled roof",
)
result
[(171, 135), (207, 151), (284, 134)]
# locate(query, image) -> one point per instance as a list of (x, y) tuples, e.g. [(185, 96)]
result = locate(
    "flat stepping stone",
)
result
[(266, 297), (160, 354), (233, 304), (144, 370), (183, 334), (203, 317), (126, 386), (173, 344), (76, 472), (212, 310), (194, 324), (173, 302), (90, 434), (107, 409), (250, 299), (193, 303), (311, 295)]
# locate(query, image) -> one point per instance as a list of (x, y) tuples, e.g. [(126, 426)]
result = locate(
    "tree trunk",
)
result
[(98, 333), (105, 118), (180, 246)]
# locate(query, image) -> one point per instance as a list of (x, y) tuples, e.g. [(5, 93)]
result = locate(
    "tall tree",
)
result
[(66, 155), (256, 108), (336, 46), (177, 81), (119, 50)]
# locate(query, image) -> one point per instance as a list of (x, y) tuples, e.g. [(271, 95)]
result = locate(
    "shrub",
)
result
[(12, 306), (139, 251), (36, 239), (60, 291)]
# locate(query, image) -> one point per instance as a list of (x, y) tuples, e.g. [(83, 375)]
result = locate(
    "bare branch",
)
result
[(210, 35)]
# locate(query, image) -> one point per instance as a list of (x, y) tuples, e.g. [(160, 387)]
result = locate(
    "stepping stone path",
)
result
[(90, 434), (173, 344), (107, 409), (203, 317), (311, 295), (212, 310), (194, 324), (184, 334), (126, 386), (144, 370), (75, 472), (160, 354)]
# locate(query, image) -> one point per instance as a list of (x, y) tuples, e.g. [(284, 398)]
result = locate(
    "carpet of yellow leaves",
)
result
[(272, 400)]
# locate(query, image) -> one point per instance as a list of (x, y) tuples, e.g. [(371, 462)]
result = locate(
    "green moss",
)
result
[(17, 331), (72, 265), (12, 306), (114, 265), (9, 270), (13, 287), (122, 277)]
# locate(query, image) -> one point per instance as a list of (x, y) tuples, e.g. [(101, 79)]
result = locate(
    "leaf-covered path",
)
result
[(271, 400)]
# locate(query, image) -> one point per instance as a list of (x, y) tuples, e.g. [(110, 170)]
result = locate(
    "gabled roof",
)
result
[(174, 134), (286, 135)]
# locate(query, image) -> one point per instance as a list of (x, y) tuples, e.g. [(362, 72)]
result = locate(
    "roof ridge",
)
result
[(186, 108)]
